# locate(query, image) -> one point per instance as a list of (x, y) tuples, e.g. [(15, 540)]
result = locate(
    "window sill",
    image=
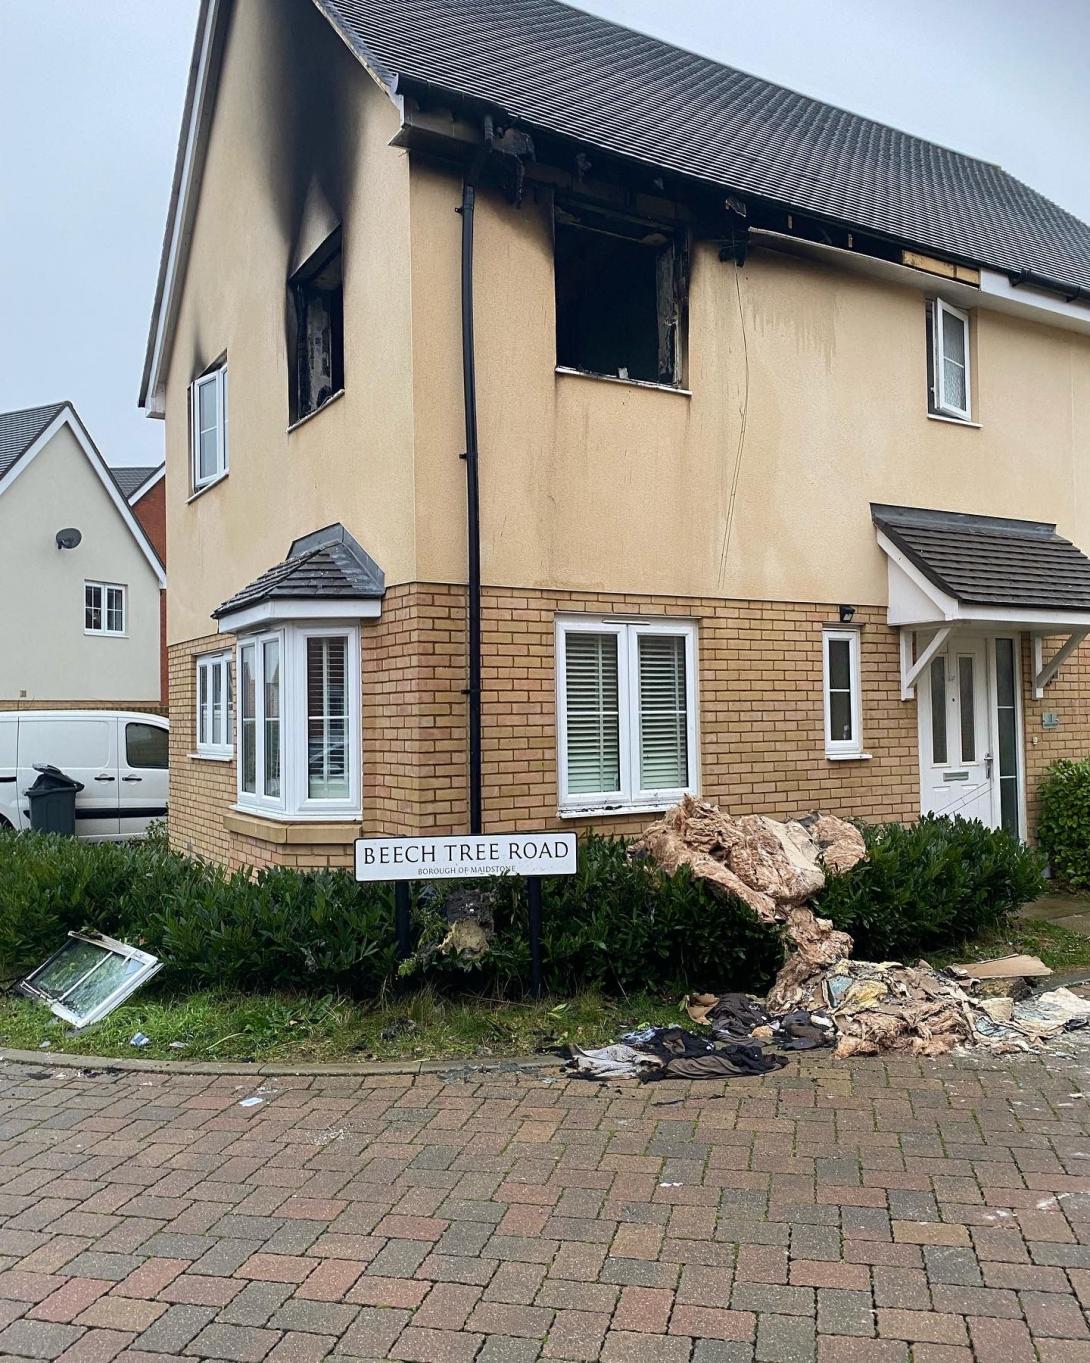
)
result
[(333, 397), (606, 811), (627, 383), (953, 420), (210, 756), (848, 756), (104, 634), (294, 829), (207, 487)]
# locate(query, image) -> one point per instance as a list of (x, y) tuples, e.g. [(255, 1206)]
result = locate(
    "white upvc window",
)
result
[(950, 361), (298, 717), (104, 608), (843, 693), (208, 426), (626, 707), (214, 737)]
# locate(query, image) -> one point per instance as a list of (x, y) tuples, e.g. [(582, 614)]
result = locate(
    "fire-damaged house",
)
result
[(558, 422)]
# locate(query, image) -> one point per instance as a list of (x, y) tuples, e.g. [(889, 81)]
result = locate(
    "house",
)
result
[(144, 488), (83, 581), (558, 421)]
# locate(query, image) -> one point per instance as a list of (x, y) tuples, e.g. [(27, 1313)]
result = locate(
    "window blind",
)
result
[(663, 720), (327, 768), (593, 713)]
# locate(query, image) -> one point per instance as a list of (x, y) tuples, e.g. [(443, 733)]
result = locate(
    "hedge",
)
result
[(619, 925), (930, 884), (1064, 826)]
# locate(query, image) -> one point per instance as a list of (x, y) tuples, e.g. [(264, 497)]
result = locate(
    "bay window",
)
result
[(626, 695), (299, 722)]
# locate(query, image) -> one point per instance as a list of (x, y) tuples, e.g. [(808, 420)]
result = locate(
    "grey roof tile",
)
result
[(989, 560), (19, 430), (131, 477), (326, 565), (554, 67)]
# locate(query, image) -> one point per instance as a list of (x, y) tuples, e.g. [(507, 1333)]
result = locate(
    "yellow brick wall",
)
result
[(760, 722), (1068, 697)]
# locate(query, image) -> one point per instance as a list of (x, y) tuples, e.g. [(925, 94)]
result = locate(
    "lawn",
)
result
[(305, 1028), (301, 1028)]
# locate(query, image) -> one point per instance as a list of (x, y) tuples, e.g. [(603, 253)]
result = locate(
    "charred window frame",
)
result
[(621, 295), (317, 350)]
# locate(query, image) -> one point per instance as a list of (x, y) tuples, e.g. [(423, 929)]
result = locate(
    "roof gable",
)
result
[(64, 414), (19, 430), (131, 479)]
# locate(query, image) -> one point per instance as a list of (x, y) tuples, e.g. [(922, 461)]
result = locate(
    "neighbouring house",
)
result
[(603, 424), (80, 609), (144, 488)]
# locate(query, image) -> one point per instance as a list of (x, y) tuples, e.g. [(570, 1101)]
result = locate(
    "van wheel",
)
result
[(5, 827)]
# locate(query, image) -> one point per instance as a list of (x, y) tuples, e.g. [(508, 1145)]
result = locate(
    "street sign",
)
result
[(490, 854), (532, 855)]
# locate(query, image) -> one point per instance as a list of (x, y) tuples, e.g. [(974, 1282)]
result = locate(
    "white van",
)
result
[(119, 756)]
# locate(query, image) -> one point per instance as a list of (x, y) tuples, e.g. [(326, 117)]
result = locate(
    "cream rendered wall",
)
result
[(299, 142), (45, 651), (597, 485)]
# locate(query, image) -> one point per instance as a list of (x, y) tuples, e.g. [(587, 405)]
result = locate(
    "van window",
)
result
[(65, 742), (146, 746)]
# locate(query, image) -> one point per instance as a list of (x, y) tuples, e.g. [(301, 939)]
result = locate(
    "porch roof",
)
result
[(947, 567)]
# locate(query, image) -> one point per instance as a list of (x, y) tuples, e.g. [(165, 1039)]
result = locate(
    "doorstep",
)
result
[(282, 833)]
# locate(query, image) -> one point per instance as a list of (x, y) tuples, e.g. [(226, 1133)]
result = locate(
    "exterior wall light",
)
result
[(846, 614)]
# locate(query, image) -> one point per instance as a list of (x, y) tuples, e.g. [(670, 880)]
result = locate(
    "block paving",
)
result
[(873, 1211)]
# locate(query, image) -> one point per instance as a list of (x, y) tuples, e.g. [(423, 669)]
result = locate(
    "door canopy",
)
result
[(948, 569)]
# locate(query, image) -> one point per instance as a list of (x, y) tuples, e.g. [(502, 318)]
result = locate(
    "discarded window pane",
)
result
[(88, 977)]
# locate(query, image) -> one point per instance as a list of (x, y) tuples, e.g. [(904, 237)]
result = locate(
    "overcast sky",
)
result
[(91, 96)]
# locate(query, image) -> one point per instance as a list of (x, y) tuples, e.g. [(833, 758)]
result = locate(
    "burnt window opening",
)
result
[(317, 295), (620, 294)]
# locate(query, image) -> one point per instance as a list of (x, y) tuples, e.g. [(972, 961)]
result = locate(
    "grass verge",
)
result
[(300, 1028), (305, 1028)]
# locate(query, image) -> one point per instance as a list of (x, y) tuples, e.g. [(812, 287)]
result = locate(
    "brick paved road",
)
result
[(936, 1212)]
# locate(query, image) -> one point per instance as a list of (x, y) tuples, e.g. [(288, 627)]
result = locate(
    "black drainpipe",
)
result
[(473, 501)]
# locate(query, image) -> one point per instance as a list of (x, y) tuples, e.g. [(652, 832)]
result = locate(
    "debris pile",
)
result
[(772, 867), (821, 995), (672, 1053)]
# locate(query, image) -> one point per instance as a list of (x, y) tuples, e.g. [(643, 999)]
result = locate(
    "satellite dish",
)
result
[(69, 538)]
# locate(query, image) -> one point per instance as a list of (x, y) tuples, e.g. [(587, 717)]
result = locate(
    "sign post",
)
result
[(532, 855)]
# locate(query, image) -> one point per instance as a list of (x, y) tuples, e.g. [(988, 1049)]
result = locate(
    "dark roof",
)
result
[(19, 430), (554, 67), (328, 564), (989, 560), (133, 477)]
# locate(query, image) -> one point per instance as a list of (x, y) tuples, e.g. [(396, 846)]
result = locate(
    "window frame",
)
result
[(843, 747), (104, 588), (630, 795), (294, 801), (223, 662), (216, 377), (941, 406), (147, 966), (671, 259), (301, 285)]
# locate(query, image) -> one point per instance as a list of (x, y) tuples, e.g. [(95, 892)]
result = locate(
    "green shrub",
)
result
[(1063, 829), (930, 884), (617, 925)]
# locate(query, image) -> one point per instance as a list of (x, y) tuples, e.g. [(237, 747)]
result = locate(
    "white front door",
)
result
[(957, 766)]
